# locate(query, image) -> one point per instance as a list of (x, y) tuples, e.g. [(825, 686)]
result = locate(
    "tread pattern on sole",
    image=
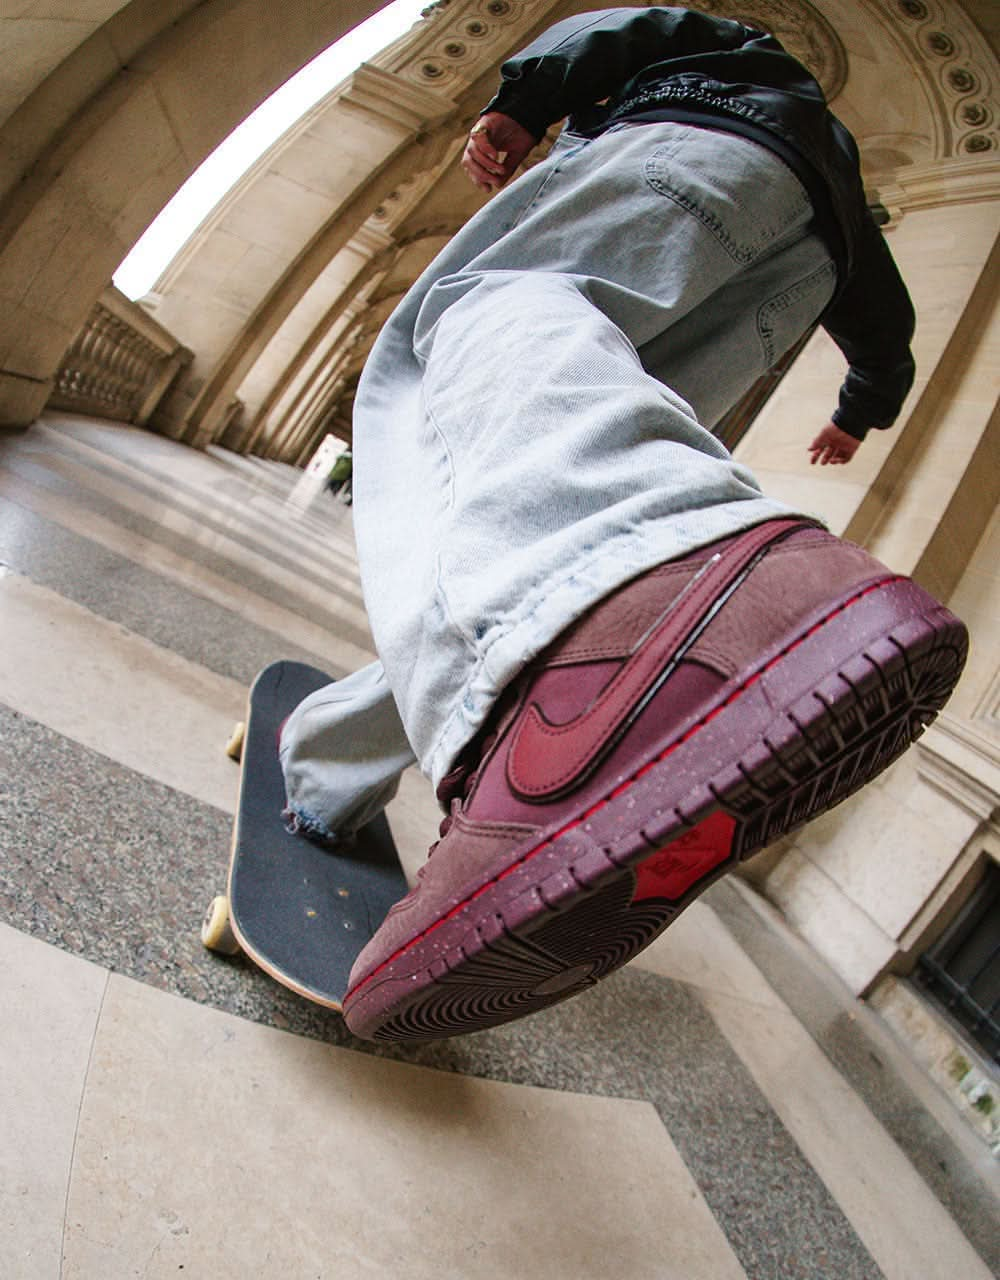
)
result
[(823, 748)]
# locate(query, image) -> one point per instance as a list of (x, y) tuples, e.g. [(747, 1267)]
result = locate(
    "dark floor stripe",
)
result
[(155, 607), (289, 598)]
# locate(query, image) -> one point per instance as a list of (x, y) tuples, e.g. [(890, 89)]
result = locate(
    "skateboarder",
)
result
[(340, 473), (621, 664)]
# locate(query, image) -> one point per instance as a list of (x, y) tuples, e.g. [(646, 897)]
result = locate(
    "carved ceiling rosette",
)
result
[(961, 67), (460, 40)]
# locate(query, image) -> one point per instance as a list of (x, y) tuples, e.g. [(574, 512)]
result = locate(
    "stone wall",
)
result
[(869, 884)]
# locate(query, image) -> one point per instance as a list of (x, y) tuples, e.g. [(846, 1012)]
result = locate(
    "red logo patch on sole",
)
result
[(673, 870)]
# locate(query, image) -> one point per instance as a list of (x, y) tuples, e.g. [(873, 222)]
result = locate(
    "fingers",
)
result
[(496, 147), (487, 179), (484, 164), (828, 455), (824, 454), (477, 174), (832, 447)]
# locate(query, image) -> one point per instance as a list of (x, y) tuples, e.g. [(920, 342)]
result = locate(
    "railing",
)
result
[(120, 365)]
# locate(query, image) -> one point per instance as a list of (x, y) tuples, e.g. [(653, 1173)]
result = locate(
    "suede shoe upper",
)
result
[(496, 813)]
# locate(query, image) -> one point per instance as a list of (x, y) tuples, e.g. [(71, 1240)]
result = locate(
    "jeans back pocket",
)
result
[(739, 190)]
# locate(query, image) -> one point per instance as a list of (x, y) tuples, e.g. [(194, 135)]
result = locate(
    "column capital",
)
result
[(963, 763), (382, 93)]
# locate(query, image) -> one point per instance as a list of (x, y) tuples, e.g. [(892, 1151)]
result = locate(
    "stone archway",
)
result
[(911, 78), (99, 140), (104, 119)]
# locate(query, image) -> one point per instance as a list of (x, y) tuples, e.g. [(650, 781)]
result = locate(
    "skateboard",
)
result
[(300, 910)]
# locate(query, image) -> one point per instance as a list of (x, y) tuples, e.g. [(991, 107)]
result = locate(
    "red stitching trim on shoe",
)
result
[(623, 786)]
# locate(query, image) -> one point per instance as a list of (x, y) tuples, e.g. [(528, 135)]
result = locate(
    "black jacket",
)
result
[(674, 64)]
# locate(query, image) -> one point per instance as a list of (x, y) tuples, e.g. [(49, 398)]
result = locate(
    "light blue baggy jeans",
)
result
[(532, 430)]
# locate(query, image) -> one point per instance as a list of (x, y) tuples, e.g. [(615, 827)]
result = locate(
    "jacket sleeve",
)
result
[(582, 60), (872, 322)]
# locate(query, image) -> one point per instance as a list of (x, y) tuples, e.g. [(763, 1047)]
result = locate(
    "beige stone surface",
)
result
[(50, 106), (118, 693), (49, 1006), (956, 407), (939, 1049), (306, 181), (301, 339), (52, 271), (830, 921), (187, 521), (220, 1146), (881, 73), (901, 481), (321, 179), (862, 877), (37, 35), (890, 849), (858, 879), (941, 253), (191, 574), (231, 57), (918, 495), (699, 950), (976, 600), (112, 164), (22, 398), (901, 1223)]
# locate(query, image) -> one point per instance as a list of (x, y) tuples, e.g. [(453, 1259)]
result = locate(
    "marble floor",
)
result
[(721, 1108)]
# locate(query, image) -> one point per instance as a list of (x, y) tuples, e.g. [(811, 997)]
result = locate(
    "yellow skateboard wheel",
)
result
[(234, 747), (216, 931)]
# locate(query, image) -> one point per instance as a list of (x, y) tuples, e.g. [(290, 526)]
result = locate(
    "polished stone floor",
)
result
[(721, 1108)]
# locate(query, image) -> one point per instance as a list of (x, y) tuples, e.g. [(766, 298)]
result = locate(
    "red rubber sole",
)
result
[(815, 723)]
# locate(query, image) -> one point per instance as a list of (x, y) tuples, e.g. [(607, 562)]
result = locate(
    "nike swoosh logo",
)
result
[(546, 759)]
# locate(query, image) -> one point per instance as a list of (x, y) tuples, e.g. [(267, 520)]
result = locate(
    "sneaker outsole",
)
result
[(815, 723)]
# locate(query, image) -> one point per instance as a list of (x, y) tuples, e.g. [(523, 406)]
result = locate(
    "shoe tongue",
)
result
[(456, 784), (450, 786)]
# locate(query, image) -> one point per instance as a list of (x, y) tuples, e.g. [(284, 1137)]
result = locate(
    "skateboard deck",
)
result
[(300, 910)]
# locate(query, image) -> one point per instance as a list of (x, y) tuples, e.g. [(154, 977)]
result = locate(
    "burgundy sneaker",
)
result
[(691, 718)]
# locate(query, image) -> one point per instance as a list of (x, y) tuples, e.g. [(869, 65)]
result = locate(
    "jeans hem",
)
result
[(305, 824)]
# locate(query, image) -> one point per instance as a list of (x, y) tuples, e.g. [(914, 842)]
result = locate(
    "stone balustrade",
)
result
[(120, 364)]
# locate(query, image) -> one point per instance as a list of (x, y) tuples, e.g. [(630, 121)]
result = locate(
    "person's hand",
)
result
[(496, 147), (833, 446)]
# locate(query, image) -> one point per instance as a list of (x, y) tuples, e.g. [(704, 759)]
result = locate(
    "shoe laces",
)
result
[(456, 788)]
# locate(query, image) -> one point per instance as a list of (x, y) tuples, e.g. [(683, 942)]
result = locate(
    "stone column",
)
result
[(866, 883), (282, 383), (279, 231)]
